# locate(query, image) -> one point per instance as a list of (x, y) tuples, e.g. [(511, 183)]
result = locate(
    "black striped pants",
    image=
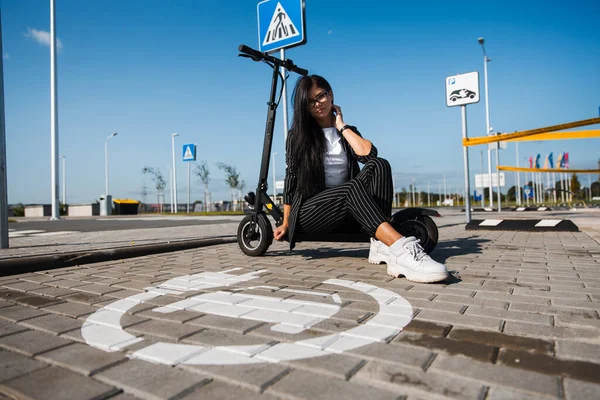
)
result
[(366, 199)]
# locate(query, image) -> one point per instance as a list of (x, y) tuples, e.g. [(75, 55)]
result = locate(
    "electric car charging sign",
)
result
[(462, 89), (103, 329)]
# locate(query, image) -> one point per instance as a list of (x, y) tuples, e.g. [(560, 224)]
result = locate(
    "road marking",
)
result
[(490, 222), (545, 223), (103, 330), (36, 233)]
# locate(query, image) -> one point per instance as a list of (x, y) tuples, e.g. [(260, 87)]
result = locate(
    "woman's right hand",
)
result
[(279, 232)]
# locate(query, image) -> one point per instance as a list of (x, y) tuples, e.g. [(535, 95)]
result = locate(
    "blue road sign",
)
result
[(189, 152), (281, 24)]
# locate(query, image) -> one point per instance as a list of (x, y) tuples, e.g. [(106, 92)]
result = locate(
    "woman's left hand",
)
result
[(339, 120)]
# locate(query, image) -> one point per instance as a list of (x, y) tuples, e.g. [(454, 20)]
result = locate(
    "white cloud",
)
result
[(42, 37), (6, 56)]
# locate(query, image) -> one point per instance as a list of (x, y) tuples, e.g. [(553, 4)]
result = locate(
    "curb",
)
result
[(531, 209), (525, 225), (22, 265)]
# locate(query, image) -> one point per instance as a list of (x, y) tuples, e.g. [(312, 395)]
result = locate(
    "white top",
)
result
[(336, 161)]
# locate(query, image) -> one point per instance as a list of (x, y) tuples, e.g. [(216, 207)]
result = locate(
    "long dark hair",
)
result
[(307, 142)]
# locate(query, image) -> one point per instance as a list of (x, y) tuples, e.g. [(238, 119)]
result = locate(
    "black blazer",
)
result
[(290, 195)]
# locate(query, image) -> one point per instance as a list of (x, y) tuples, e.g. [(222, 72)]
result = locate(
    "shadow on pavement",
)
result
[(451, 248)]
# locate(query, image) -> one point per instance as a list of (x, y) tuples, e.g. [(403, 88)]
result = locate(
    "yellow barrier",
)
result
[(559, 136), (521, 169), (516, 135)]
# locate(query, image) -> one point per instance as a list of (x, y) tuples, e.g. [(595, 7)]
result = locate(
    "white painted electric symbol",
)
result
[(103, 328)]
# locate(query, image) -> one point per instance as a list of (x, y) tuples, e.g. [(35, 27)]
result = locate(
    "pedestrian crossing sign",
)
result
[(189, 152), (281, 24)]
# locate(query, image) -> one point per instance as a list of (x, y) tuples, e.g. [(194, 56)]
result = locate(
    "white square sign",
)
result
[(462, 89)]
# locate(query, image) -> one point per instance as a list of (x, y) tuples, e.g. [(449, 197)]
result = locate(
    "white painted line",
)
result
[(548, 223), (490, 222), (58, 233), (29, 232), (103, 330), (542, 208), (521, 208)]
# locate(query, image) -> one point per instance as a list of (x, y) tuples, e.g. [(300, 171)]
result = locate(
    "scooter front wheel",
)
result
[(254, 236)]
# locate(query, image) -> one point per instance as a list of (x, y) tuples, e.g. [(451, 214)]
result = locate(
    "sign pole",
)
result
[(188, 189), (463, 110), (3, 183)]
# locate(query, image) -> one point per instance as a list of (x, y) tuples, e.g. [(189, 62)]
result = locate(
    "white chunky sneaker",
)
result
[(379, 252), (408, 258)]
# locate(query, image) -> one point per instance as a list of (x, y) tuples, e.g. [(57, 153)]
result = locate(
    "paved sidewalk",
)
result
[(519, 319)]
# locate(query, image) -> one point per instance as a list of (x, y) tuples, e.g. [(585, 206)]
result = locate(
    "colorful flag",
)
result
[(530, 162), (559, 160), (551, 161), (537, 161), (567, 160), (563, 160)]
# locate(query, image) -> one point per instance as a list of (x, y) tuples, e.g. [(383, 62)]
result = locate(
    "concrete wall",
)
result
[(44, 210), (84, 210)]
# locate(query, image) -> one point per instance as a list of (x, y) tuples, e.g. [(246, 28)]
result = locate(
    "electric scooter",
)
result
[(255, 233)]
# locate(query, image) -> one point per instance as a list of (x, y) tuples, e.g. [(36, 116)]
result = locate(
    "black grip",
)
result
[(250, 51), (300, 71)]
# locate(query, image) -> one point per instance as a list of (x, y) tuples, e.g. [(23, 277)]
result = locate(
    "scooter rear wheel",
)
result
[(432, 232), (255, 237)]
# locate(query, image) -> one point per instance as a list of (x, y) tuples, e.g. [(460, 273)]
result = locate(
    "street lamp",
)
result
[(64, 181), (174, 209), (106, 162), (486, 59), (274, 181)]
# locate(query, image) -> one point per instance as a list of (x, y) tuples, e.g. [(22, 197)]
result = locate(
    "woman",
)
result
[(324, 187)]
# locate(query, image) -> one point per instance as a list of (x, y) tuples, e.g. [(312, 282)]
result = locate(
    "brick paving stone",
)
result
[(13, 365), (56, 384), (550, 295), (217, 337), (52, 323), (437, 305), (509, 315), (469, 369), (504, 393), (567, 349), (8, 328), (484, 323), (151, 381), (11, 295), (577, 321), (232, 324), (339, 366), (306, 385), (23, 286), (224, 391), (37, 301), (179, 316), (122, 293), (66, 283), (411, 356), (95, 288), (255, 377), (39, 278), (18, 313), (164, 329), (51, 291), (69, 309), (417, 383), (478, 351), (429, 328), (593, 305), (553, 310), (561, 332), (81, 358), (32, 343), (511, 298), (471, 302), (86, 298), (548, 365), (497, 339), (577, 390)]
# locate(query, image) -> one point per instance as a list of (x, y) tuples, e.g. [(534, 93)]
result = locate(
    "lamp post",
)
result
[(174, 208), (106, 162), (486, 59), (64, 180)]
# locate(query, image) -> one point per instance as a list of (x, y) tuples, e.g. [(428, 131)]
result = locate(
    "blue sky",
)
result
[(147, 69)]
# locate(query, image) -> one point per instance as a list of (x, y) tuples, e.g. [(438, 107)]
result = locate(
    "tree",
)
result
[(159, 182), (232, 177), (203, 173), (511, 194), (575, 184)]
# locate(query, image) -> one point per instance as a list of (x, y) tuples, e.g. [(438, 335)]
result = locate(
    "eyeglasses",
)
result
[(319, 99)]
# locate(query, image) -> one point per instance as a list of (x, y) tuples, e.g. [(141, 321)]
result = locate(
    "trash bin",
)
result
[(105, 204), (126, 206)]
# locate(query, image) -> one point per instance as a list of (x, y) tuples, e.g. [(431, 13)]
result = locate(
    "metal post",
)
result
[(171, 187), (285, 103), (64, 181), (188, 188), (53, 114), (174, 210), (274, 179), (3, 185), (445, 192), (413, 193), (554, 187), (498, 174), (106, 162), (482, 187), (590, 185), (518, 178), (463, 110), (428, 196)]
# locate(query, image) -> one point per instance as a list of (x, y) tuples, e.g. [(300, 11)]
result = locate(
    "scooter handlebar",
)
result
[(258, 56)]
